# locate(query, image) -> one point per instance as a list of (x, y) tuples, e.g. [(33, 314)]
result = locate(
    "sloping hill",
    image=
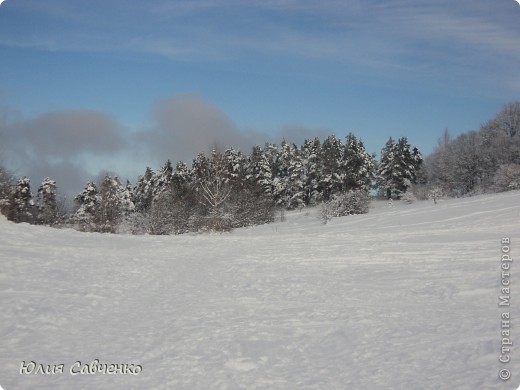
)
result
[(405, 297)]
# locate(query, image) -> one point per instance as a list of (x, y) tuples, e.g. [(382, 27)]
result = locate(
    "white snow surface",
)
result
[(405, 297)]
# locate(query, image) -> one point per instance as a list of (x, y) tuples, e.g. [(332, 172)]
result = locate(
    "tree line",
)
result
[(229, 189)]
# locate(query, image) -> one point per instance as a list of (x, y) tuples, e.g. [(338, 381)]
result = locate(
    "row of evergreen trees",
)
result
[(230, 189), (227, 189), (18, 204)]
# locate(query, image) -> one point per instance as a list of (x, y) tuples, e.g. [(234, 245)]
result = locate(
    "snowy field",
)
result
[(405, 297)]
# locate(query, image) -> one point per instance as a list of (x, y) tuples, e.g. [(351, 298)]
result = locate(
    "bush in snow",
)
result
[(420, 191), (507, 177), (250, 206), (348, 203), (160, 218), (408, 197), (436, 193)]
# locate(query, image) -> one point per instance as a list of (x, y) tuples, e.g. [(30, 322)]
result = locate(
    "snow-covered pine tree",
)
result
[(281, 193), (6, 191), (331, 161), (398, 167), (250, 201), (88, 201), (358, 165), (385, 178), (23, 201), (296, 179), (271, 152), (200, 167), (143, 191), (47, 202), (110, 212), (126, 197), (163, 179), (419, 174), (411, 162), (406, 170), (258, 171), (235, 165), (310, 152), (181, 179)]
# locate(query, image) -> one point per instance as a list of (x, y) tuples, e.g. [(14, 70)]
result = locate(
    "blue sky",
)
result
[(87, 86)]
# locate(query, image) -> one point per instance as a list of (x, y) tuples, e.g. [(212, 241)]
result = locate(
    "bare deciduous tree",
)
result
[(509, 119)]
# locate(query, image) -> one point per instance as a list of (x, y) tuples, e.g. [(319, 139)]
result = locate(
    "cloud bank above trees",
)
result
[(73, 146)]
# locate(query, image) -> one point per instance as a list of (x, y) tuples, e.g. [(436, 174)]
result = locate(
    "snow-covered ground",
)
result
[(405, 297)]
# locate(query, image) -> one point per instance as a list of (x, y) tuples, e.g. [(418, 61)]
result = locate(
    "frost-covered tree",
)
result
[(410, 161), (439, 165), (310, 155), (161, 218), (6, 191), (184, 198), (163, 179), (385, 170), (114, 204), (296, 179), (23, 201), (258, 171), (347, 203), (499, 143), (398, 167), (468, 167), (508, 119), (47, 202), (282, 160), (357, 165), (507, 177), (214, 189), (88, 201), (103, 209), (289, 181), (143, 191), (213, 180), (236, 164), (126, 197), (175, 210), (470, 162), (182, 177), (226, 198), (331, 155)]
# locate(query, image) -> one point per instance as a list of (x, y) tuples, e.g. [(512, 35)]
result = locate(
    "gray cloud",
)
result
[(60, 145), (68, 133), (73, 146), (185, 125)]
